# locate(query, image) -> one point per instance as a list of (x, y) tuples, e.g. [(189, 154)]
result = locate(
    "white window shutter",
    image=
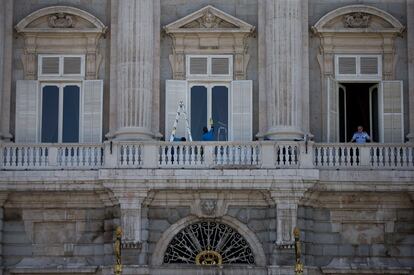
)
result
[(242, 110), (92, 111), (175, 91), (27, 111), (333, 110), (392, 111)]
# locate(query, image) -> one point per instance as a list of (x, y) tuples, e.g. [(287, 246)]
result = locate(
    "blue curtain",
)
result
[(71, 96), (220, 111), (198, 111), (50, 114)]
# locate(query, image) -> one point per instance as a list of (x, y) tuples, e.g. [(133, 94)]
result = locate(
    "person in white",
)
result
[(360, 136)]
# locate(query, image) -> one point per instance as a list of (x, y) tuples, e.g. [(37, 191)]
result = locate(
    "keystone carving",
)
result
[(208, 207), (61, 20), (357, 20)]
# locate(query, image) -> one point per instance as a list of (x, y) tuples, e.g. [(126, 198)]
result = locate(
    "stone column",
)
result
[(131, 207), (410, 55), (286, 215), (6, 34), (3, 197), (285, 62), (135, 72)]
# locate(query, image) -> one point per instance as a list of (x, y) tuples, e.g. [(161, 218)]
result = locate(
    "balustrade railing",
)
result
[(370, 155), (42, 156), (207, 155)]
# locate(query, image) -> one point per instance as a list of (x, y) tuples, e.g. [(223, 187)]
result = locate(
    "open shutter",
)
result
[(392, 111), (27, 106), (242, 110), (92, 111), (333, 111), (175, 91)]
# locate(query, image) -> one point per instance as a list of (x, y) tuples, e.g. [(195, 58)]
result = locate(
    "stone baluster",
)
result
[(285, 65), (135, 73)]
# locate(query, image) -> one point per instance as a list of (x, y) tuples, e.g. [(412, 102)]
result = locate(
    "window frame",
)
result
[(358, 75), (210, 85), (60, 85), (61, 75), (209, 75)]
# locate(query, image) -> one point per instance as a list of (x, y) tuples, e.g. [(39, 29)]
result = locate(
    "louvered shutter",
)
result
[(27, 114), (198, 65), (50, 65), (333, 111), (175, 91), (369, 65), (92, 111), (220, 66), (72, 65), (392, 111), (242, 110), (347, 65)]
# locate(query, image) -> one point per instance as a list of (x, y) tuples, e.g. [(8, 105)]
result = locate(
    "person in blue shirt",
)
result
[(208, 135), (360, 136)]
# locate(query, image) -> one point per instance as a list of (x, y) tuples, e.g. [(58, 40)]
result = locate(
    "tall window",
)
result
[(60, 112), (60, 101)]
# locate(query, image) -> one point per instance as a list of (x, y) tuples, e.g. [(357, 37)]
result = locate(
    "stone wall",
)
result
[(50, 230), (376, 234)]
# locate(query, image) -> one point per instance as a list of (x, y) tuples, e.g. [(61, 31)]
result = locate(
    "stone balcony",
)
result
[(207, 155)]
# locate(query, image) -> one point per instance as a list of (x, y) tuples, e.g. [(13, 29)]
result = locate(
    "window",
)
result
[(61, 106), (210, 102), (52, 66), (214, 67), (60, 112), (361, 67)]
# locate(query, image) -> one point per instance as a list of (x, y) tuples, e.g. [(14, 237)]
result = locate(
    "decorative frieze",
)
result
[(61, 20), (357, 20)]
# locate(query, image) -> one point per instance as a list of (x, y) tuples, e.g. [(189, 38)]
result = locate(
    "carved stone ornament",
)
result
[(61, 20), (209, 20), (357, 20), (208, 207)]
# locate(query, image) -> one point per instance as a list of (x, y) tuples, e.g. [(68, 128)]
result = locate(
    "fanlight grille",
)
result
[(208, 243)]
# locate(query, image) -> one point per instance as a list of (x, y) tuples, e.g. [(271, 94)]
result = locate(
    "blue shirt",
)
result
[(360, 137), (208, 136)]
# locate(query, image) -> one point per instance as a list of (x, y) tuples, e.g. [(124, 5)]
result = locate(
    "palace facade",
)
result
[(102, 110)]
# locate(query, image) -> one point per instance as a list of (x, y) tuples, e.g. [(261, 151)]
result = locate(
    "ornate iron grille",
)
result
[(208, 243)]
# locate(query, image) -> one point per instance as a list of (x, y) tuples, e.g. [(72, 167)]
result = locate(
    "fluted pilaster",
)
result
[(284, 60), (135, 73)]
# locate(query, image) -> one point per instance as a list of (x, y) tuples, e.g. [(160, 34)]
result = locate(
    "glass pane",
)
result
[(220, 111), (70, 114), (50, 113), (198, 111)]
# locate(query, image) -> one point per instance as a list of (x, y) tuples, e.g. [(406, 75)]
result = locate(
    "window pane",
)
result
[(198, 111), (220, 111), (50, 113), (70, 114)]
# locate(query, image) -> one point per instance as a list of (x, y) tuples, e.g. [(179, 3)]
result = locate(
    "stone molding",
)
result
[(169, 234), (209, 31), (378, 30), (61, 29)]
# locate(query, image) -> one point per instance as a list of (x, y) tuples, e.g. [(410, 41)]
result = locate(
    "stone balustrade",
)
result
[(207, 155)]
